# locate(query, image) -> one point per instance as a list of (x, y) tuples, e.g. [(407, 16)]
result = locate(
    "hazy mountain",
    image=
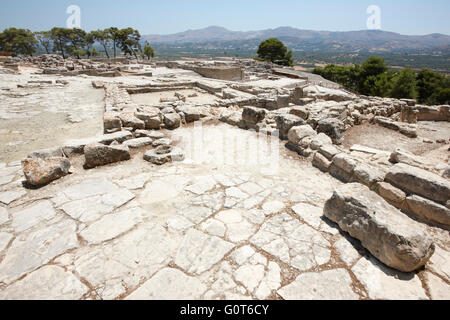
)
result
[(366, 40)]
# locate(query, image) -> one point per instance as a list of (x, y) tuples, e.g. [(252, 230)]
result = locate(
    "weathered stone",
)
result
[(420, 182), (8, 197), (347, 252), (428, 210), (390, 193), (368, 175), (320, 140), (199, 252), (191, 114), (326, 285), (110, 226), (47, 283), (300, 111), (438, 289), (253, 115), (169, 284), (111, 120), (97, 154), (383, 283), (39, 172), (388, 234), (321, 162), (77, 146), (115, 267), (5, 238), (439, 263), (159, 159), (285, 122), (296, 134), (34, 249), (129, 120), (152, 120), (138, 142), (292, 242), (3, 215), (308, 213), (172, 120), (333, 128), (32, 215), (329, 151), (155, 135), (401, 156), (161, 142), (344, 162)]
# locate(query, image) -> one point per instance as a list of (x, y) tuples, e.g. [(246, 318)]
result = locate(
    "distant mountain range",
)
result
[(366, 40)]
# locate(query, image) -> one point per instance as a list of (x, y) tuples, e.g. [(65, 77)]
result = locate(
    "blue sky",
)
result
[(170, 16)]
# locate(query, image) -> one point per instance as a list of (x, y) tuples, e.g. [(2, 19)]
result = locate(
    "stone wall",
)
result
[(439, 113), (221, 73)]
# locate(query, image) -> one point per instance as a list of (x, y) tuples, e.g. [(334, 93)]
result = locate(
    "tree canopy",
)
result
[(374, 78), (275, 51), (18, 41)]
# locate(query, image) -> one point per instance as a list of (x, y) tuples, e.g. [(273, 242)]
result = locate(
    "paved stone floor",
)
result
[(185, 231)]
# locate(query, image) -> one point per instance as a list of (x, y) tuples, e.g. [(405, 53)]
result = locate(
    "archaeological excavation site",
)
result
[(228, 179)]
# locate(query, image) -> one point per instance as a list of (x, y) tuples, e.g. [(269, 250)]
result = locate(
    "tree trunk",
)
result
[(106, 51)]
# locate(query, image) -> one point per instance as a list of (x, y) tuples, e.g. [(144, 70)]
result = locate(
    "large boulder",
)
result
[(392, 237), (332, 127), (300, 111), (39, 171), (98, 154), (152, 120), (296, 134), (253, 115), (420, 182), (190, 113), (172, 120), (285, 122), (129, 120)]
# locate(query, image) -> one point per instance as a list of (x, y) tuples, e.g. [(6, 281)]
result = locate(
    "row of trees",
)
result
[(75, 42), (374, 78)]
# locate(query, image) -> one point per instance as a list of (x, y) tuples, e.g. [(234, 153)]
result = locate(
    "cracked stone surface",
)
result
[(47, 283), (198, 252), (169, 284), (384, 283), (293, 242), (327, 285), (183, 231)]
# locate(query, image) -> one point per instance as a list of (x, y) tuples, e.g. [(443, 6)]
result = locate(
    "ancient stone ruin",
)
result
[(122, 178)]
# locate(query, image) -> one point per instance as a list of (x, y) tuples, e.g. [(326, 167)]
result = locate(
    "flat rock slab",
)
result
[(199, 252), (383, 283), (138, 143), (169, 284), (47, 283), (292, 242), (31, 250), (387, 233), (327, 285), (8, 197), (32, 215)]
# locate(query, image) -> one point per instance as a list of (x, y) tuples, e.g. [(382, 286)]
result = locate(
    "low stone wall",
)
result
[(439, 113), (221, 73)]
